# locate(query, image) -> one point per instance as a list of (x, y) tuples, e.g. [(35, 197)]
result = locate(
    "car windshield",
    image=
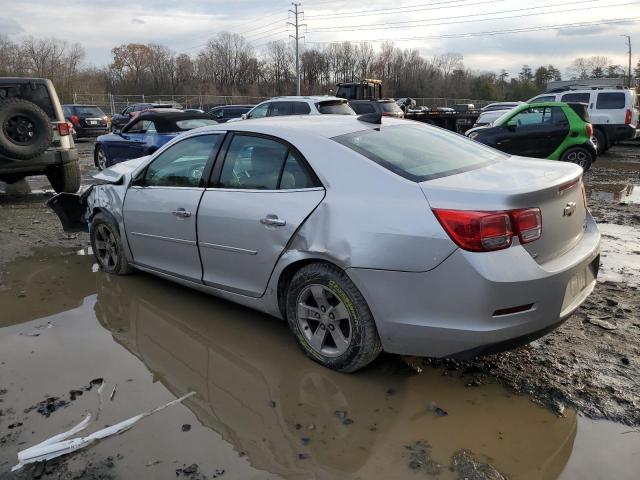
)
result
[(390, 107), (88, 111), (194, 123), (420, 152), (337, 107)]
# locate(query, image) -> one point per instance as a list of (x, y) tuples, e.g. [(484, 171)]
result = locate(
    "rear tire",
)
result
[(601, 141), (25, 129), (578, 155), (330, 318), (65, 178), (107, 246)]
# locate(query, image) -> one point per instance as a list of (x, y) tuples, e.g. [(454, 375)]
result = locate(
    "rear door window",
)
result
[(419, 152), (576, 97), (610, 100), (253, 163), (279, 109)]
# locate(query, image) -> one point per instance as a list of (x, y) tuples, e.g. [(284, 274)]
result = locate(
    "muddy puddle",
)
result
[(261, 409), (614, 193)]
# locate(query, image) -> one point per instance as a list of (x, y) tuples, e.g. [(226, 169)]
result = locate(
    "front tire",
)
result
[(65, 178), (100, 158), (330, 318), (578, 155), (107, 246)]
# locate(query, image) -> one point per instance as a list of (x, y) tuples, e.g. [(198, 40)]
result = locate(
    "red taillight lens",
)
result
[(63, 129), (487, 231), (528, 224), (627, 117), (74, 119), (589, 129), (477, 231)]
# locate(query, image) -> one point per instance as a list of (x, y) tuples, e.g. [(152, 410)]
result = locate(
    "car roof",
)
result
[(79, 105), (314, 98), (318, 126), (232, 106)]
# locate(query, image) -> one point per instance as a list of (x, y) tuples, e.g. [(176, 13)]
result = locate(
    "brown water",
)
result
[(262, 410)]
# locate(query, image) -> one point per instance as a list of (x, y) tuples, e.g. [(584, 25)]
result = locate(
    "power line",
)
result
[(493, 32), (430, 22), (411, 8)]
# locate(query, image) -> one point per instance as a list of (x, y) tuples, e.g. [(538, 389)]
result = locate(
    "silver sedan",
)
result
[(363, 236)]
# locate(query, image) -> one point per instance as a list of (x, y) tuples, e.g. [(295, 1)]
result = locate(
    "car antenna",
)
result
[(371, 118)]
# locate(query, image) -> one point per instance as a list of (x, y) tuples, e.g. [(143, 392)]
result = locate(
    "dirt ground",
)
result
[(285, 417)]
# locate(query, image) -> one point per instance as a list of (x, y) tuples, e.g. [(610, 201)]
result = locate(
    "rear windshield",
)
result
[(336, 107), (88, 111), (390, 107), (420, 152), (194, 123)]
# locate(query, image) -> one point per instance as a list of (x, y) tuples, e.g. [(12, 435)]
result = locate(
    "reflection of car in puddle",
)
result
[(279, 409), (45, 289), (615, 193)]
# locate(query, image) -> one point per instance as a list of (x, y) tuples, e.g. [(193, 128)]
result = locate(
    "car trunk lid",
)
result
[(519, 183)]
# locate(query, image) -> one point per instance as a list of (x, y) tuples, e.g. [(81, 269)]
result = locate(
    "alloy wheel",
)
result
[(102, 159), (106, 247), (578, 157), (324, 320)]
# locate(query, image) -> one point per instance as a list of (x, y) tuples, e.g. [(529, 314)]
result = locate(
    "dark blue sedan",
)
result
[(144, 135)]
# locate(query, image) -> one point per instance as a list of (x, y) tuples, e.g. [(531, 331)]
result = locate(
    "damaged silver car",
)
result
[(365, 236)]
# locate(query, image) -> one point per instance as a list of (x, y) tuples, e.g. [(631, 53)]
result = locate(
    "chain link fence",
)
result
[(113, 103)]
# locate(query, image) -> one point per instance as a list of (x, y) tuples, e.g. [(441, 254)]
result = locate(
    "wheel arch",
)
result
[(287, 273)]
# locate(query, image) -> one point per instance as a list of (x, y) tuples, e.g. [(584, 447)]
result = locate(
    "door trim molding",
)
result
[(166, 239), (228, 248)]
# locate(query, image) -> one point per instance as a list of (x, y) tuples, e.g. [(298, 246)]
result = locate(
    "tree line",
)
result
[(229, 65)]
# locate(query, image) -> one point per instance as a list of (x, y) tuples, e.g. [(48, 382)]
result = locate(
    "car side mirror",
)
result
[(244, 116), (512, 125)]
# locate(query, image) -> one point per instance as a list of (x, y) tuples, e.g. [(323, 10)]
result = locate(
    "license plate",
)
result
[(92, 122), (578, 283)]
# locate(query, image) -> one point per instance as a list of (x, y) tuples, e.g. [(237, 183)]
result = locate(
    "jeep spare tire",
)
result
[(25, 129)]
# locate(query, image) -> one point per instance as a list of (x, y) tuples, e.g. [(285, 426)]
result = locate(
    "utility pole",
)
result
[(628, 37), (297, 38)]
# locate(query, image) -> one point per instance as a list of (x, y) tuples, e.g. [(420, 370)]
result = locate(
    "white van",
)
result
[(613, 111)]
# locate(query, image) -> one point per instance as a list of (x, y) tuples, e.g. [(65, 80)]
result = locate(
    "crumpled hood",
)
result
[(116, 173)]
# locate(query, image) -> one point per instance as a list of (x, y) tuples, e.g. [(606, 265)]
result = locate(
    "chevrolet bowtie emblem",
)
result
[(569, 209)]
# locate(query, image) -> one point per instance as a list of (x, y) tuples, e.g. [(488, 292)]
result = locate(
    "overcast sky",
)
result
[(184, 25)]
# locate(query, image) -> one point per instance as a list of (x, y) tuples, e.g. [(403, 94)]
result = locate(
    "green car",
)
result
[(553, 130)]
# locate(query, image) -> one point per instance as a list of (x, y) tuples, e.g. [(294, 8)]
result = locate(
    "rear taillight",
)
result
[(528, 224), (75, 120), (487, 231), (627, 117), (63, 129), (589, 129)]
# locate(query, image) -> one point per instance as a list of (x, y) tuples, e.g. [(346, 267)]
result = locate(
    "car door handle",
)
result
[(182, 213), (273, 220)]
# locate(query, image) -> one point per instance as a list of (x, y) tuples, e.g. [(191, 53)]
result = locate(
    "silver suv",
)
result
[(294, 105), (35, 138)]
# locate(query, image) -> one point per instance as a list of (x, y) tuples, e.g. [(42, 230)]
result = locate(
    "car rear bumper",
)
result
[(459, 308), (91, 131), (40, 163), (618, 133)]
